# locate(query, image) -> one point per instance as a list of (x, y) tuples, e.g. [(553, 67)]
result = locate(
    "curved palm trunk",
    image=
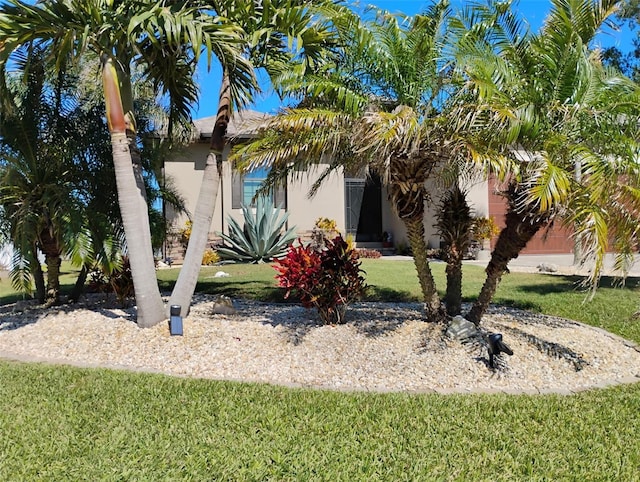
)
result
[(432, 306), (406, 191), (78, 287), (205, 207), (133, 207), (188, 277), (519, 230), (135, 220)]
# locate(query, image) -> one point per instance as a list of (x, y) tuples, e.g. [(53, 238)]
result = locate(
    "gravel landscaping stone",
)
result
[(383, 347)]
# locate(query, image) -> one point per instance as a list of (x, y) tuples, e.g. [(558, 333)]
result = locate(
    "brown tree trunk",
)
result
[(51, 249), (432, 306), (519, 229), (453, 296), (78, 288)]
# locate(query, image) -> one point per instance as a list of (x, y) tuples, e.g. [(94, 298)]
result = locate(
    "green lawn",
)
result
[(59, 423)]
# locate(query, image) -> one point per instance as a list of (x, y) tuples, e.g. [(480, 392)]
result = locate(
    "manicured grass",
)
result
[(60, 423), (73, 424), (68, 276)]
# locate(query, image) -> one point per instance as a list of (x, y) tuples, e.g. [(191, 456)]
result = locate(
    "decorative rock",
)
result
[(383, 347), (221, 274), (461, 329), (222, 305), (547, 268)]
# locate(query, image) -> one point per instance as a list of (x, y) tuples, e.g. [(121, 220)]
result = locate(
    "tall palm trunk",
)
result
[(407, 193), (135, 216), (205, 207), (432, 306), (520, 228)]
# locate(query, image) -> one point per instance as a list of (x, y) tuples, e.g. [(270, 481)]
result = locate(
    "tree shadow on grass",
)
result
[(562, 284), (377, 293), (258, 290)]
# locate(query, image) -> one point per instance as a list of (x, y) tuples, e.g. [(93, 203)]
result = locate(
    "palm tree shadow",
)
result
[(21, 314), (295, 320), (377, 293), (379, 319), (562, 284), (237, 289), (371, 320)]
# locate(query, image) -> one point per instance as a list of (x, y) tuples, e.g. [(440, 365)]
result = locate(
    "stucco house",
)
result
[(358, 205)]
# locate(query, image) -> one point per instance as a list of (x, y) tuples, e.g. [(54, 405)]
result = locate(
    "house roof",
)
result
[(243, 124)]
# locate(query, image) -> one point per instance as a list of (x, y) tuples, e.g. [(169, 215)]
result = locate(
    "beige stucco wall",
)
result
[(327, 203), (478, 197), (185, 171)]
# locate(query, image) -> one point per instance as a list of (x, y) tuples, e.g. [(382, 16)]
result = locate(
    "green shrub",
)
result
[(119, 281), (328, 280), (210, 257), (262, 237)]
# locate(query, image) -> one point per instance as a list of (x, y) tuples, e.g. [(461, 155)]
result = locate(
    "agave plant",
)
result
[(262, 237)]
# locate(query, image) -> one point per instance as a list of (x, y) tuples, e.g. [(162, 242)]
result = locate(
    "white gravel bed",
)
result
[(382, 347)]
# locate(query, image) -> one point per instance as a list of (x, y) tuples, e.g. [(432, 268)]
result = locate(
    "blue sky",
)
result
[(534, 11)]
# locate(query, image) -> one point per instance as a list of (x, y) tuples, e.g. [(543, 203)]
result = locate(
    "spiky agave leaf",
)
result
[(261, 238)]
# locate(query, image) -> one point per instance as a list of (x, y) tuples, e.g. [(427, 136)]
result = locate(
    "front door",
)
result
[(364, 209)]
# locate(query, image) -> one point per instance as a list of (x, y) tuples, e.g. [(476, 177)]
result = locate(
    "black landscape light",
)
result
[(175, 320), (495, 346)]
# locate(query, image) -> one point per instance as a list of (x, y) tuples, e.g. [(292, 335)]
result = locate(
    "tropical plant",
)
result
[(454, 224), (165, 39), (557, 127), (263, 236), (118, 281), (278, 34), (37, 176), (210, 257), (328, 280), (44, 107), (378, 107), (484, 228), (323, 229)]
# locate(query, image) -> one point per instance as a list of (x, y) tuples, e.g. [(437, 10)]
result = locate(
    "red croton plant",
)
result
[(328, 280)]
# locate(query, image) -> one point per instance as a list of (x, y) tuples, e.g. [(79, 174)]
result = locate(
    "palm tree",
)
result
[(379, 106), (545, 97), (270, 27), (166, 33), (36, 173), (454, 223)]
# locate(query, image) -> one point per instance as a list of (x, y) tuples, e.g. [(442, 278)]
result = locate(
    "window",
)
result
[(251, 182), (244, 188)]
